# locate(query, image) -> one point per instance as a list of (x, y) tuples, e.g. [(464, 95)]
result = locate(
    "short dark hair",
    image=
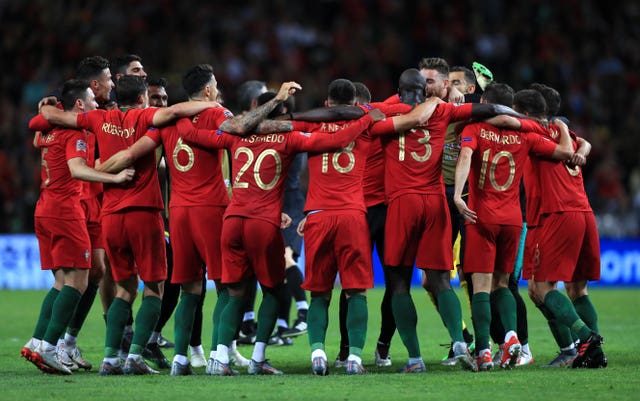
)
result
[(342, 91), (196, 78), (73, 90), (551, 96), (264, 98), (248, 91), (119, 64), (435, 63), (363, 95), (160, 81), (530, 101), (499, 93), (91, 67), (129, 88), (469, 76)]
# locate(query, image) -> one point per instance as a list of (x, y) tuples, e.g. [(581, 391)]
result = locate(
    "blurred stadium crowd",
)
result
[(588, 50)]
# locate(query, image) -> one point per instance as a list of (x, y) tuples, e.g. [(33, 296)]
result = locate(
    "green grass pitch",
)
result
[(618, 311)]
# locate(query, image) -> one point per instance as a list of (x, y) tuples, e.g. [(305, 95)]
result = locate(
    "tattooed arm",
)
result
[(247, 123), (271, 126)]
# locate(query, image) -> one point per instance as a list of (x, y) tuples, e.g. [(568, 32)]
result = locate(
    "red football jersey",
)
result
[(261, 163), (91, 189), (563, 185), (497, 166), (336, 178), (373, 180), (60, 193), (117, 130), (211, 119), (196, 172), (413, 159)]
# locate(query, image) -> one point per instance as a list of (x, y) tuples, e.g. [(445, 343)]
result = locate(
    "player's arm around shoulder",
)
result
[(564, 149), (463, 167), (127, 157), (80, 171), (164, 115)]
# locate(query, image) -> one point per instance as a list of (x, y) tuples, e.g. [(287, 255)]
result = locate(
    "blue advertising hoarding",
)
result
[(20, 264)]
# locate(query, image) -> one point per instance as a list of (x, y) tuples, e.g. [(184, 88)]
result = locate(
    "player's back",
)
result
[(413, 159), (563, 184), (196, 172), (260, 164), (497, 166), (335, 178), (117, 130), (60, 192)]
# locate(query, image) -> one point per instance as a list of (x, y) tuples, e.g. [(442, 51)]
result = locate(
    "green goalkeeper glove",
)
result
[(483, 75)]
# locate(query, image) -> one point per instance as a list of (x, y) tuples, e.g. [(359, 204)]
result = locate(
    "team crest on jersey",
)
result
[(81, 145)]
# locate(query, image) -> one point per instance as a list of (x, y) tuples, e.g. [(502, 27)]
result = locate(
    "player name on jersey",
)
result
[(508, 139)]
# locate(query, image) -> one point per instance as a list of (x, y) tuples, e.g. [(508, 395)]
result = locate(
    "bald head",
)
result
[(411, 86)]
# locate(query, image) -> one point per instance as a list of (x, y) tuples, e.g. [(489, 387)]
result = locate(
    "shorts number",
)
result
[(492, 170), (336, 158), (424, 140), (181, 146), (256, 168)]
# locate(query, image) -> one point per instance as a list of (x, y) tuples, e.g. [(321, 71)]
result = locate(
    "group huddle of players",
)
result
[(406, 174)]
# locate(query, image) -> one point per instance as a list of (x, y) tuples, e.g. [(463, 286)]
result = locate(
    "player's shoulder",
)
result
[(217, 110)]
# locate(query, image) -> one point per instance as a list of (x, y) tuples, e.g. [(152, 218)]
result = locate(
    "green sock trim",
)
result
[(145, 321), (406, 317), (45, 313), (318, 320), (221, 302), (506, 305), (357, 317), (183, 323), (481, 316), (267, 315), (451, 313), (117, 317), (82, 310), (230, 320), (587, 312), (61, 313)]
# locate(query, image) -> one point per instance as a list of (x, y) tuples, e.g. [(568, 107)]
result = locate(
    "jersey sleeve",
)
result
[(76, 145), (90, 120), (383, 127), (203, 137), (305, 126), (393, 99), (222, 114), (527, 125), (468, 137), (390, 109), (155, 134), (38, 123), (540, 145), (459, 112), (324, 142), (147, 116)]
